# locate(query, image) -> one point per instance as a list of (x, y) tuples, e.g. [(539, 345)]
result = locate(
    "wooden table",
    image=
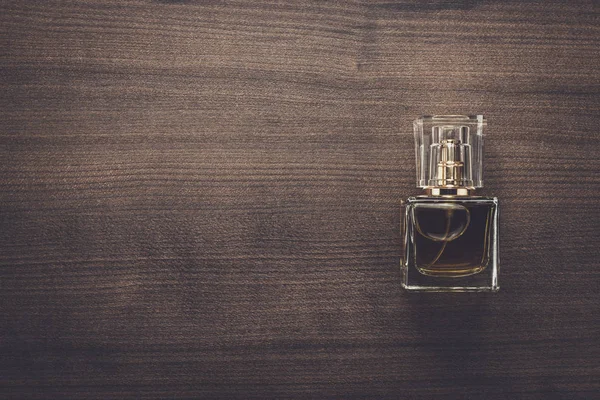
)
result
[(199, 199)]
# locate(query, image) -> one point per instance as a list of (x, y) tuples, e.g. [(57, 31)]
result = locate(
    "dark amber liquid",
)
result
[(452, 241)]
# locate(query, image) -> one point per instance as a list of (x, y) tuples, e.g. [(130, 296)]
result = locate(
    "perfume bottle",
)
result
[(450, 234)]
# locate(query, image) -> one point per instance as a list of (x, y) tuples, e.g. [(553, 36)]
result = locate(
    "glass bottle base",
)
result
[(417, 288)]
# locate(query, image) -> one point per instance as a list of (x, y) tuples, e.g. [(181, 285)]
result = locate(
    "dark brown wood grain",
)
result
[(200, 199)]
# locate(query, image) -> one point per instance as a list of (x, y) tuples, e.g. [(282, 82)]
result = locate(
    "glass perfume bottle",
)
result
[(450, 235)]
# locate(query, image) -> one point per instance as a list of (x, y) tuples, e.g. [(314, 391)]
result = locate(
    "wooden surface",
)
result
[(200, 199)]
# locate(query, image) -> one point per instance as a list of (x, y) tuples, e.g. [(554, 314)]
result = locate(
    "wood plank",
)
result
[(199, 199)]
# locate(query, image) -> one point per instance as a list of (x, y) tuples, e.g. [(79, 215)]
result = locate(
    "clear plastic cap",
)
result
[(449, 151)]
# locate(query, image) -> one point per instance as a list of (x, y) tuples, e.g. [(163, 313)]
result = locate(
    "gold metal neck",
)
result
[(449, 191)]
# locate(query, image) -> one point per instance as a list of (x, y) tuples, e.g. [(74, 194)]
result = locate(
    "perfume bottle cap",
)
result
[(449, 151)]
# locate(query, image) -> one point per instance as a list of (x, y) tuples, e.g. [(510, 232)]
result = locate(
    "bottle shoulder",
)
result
[(453, 199)]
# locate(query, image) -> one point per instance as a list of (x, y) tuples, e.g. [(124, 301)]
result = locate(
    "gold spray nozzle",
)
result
[(450, 166)]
